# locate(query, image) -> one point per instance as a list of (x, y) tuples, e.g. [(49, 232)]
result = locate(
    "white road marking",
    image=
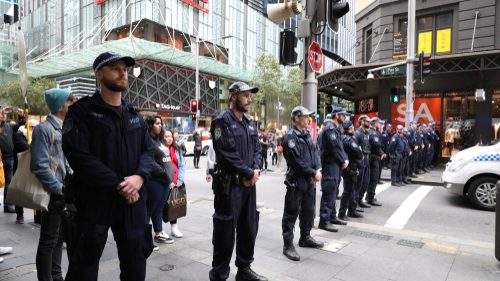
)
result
[(401, 216), (382, 187)]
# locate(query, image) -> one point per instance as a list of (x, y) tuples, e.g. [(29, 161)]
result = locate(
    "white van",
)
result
[(473, 173)]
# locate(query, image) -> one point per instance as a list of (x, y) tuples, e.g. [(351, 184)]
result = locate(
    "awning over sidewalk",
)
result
[(82, 60)]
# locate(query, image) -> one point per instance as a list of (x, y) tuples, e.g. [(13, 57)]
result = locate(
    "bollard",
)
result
[(497, 226)]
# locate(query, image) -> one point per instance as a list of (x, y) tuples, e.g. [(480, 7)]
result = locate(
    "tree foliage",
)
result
[(10, 93)]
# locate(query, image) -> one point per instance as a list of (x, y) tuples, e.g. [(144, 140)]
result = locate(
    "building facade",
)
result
[(463, 38)]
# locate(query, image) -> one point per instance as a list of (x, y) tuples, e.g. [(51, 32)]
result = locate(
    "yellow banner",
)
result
[(425, 42), (443, 41)]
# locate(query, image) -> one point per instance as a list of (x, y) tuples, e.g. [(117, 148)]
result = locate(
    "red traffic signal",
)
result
[(424, 67), (194, 105)]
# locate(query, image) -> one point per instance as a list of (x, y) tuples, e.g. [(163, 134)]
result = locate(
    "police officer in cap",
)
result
[(303, 173), (363, 138), (377, 155), (238, 154), (396, 149), (333, 161), (355, 154)]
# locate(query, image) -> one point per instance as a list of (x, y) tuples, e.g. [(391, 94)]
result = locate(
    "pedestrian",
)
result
[(198, 147), (279, 152), (396, 149), (273, 141), (107, 144), (20, 145), (7, 149), (333, 161), (348, 203), (264, 144), (238, 154), (303, 173), (178, 163), (363, 138), (376, 157), (158, 185), (45, 148)]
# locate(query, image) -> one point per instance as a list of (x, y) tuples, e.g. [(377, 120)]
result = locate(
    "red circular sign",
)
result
[(315, 56)]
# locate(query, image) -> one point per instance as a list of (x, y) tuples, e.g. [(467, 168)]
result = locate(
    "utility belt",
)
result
[(374, 157), (327, 160), (351, 172), (223, 180)]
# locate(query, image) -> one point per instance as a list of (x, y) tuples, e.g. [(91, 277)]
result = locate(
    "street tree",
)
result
[(10, 93)]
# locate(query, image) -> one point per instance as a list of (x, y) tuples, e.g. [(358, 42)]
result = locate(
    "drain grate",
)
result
[(167, 267), (410, 243), (371, 235)]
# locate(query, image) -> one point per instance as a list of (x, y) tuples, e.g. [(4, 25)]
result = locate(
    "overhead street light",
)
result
[(370, 75)]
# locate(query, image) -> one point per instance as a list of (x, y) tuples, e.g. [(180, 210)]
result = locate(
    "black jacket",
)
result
[(331, 150), (103, 145), (162, 170)]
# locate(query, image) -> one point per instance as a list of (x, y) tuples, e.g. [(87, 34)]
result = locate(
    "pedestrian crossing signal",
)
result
[(394, 98)]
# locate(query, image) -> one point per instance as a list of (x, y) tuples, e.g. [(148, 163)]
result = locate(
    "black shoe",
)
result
[(360, 210), (309, 242), (328, 227), (354, 215), (247, 274), (380, 182), (343, 217), (396, 184), (291, 253), (374, 202), (336, 220), (407, 181), (413, 176), (363, 205)]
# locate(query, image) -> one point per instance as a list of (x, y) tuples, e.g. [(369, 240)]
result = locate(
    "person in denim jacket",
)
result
[(46, 146)]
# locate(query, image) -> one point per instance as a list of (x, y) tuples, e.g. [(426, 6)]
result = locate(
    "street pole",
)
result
[(409, 65), (197, 81), (309, 97)]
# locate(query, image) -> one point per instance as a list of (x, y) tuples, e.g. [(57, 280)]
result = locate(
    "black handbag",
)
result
[(176, 206)]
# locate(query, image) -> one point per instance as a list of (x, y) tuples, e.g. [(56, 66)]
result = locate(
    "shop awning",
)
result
[(81, 60)]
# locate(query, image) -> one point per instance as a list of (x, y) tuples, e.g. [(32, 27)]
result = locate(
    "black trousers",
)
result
[(329, 191), (84, 262), (349, 195), (363, 178), (196, 158), (235, 215), (49, 252), (264, 160), (299, 204), (374, 177), (396, 168)]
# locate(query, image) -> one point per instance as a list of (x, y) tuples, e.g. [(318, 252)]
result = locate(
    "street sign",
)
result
[(315, 56), (394, 71)]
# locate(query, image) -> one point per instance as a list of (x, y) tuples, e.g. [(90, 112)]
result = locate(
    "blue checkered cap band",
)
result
[(488, 157)]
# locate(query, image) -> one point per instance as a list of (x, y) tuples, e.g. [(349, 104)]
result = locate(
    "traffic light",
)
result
[(394, 98), (424, 65), (194, 105), (336, 10), (288, 42)]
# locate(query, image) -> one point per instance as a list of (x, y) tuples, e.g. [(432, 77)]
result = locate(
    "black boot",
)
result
[(309, 242), (343, 217), (363, 205), (327, 227), (247, 274), (336, 220), (354, 215), (291, 253), (373, 202)]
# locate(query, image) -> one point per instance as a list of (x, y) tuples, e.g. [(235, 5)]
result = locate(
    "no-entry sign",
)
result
[(315, 56)]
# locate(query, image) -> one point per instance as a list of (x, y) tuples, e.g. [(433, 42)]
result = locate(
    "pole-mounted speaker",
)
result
[(278, 13)]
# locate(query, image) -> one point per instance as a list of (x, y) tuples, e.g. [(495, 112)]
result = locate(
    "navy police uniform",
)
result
[(377, 152), (104, 144), (238, 154), (363, 138), (332, 156), (355, 154), (396, 149)]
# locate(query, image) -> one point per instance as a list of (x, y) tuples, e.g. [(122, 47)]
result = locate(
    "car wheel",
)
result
[(204, 151), (482, 193)]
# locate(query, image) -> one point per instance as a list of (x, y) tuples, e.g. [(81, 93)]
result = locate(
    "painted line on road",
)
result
[(401, 216), (382, 187)]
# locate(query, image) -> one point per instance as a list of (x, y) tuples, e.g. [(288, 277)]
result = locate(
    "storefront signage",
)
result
[(400, 44), (366, 106), (394, 71), (195, 5), (425, 42), (443, 41), (168, 107), (426, 110)]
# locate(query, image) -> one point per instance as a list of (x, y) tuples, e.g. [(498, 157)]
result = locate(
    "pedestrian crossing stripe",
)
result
[(488, 157)]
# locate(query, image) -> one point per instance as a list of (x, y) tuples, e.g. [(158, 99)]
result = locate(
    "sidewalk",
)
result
[(431, 178)]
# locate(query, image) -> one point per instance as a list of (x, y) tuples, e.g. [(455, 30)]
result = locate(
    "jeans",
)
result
[(196, 158), (156, 200), (8, 169), (49, 252)]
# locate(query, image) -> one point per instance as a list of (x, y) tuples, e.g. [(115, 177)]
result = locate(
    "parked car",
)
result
[(189, 143), (473, 173)]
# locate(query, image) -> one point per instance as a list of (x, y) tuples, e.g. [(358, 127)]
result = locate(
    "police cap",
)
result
[(363, 117), (109, 58), (301, 111), (240, 86), (399, 127), (347, 124), (339, 110)]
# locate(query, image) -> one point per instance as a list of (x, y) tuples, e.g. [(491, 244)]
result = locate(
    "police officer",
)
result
[(405, 163), (108, 146), (386, 139), (355, 154), (303, 173), (413, 142), (376, 156), (396, 148), (363, 138), (238, 154), (425, 148), (419, 144), (333, 161)]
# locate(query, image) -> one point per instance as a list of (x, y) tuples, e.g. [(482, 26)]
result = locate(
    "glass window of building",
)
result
[(368, 45), (458, 122), (495, 115)]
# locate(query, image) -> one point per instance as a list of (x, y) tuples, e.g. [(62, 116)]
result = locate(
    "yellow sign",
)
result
[(425, 42), (443, 41)]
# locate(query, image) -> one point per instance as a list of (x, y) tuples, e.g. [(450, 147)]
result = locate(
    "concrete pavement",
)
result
[(363, 250)]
